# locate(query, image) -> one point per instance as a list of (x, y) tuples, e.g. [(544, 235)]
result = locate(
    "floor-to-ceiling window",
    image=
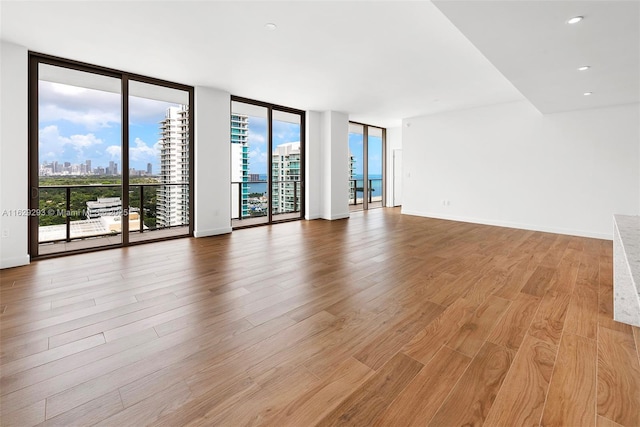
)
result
[(249, 164), (110, 158), (366, 166), (159, 161), (267, 163), (286, 166)]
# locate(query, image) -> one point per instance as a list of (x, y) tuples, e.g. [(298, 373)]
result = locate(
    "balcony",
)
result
[(247, 211), (65, 223), (356, 194)]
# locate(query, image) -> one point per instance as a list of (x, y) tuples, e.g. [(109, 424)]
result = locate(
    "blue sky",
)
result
[(375, 153), (283, 132), (77, 124)]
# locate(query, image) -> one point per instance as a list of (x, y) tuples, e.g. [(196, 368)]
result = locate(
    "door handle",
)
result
[(35, 192)]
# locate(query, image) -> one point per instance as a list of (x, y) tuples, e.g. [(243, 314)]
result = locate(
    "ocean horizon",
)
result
[(376, 184)]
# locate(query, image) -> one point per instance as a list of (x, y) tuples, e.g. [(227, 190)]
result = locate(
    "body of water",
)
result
[(376, 184)]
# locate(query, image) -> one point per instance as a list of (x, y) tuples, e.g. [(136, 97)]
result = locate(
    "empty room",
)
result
[(318, 213)]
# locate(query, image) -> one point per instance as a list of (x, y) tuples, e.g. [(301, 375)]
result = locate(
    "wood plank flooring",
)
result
[(379, 320)]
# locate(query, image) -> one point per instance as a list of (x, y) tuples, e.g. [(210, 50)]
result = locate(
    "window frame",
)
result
[(35, 59)]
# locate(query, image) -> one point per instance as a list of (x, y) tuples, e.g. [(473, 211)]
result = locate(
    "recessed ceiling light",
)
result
[(575, 19), (587, 93), (270, 26), (584, 68)]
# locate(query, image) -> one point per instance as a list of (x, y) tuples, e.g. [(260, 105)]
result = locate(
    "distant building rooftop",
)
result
[(88, 228)]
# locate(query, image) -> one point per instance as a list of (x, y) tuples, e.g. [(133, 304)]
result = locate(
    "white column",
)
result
[(394, 142), (14, 182), (212, 162), (313, 165), (335, 165)]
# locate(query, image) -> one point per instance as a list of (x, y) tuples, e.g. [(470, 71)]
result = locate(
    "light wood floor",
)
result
[(382, 319)]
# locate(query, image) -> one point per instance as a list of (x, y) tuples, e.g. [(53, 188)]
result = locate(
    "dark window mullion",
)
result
[(35, 59), (270, 160), (192, 181), (34, 159), (124, 217), (365, 167)]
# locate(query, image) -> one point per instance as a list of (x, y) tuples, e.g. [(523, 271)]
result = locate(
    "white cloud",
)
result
[(84, 140), (114, 151), (93, 109), (257, 156), (256, 138), (91, 119), (49, 135), (54, 144), (140, 151)]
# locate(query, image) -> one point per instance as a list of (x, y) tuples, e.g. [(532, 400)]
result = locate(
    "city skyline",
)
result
[(55, 168)]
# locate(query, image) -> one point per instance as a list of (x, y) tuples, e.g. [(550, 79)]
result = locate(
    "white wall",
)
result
[(313, 165), (509, 165), (212, 162), (394, 142), (335, 165), (13, 155)]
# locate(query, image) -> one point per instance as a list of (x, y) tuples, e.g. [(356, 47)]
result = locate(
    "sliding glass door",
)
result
[(375, 163), (267, 163), (366, 166), (286, 166), (250, 203), (78, 196), (159, 161), (110, 158)]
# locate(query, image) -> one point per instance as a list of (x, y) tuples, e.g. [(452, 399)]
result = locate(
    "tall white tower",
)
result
[(285, 178), (173, 200), (239, 165)]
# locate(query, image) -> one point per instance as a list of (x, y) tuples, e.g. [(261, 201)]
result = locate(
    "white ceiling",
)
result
[(379, 61), (533, 46)]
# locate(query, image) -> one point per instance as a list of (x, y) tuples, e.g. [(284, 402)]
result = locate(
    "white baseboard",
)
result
[(211, 232), (556, 230), (338, 216)]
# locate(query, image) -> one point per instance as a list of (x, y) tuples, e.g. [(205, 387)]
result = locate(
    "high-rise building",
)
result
[(285, 178), (352, 179), (173, 200), (149, 169), (112, 169), (240, 165)]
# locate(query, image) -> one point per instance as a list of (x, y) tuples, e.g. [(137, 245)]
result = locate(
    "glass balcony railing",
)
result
[(356, 191), (254, 203), (72, 212)]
